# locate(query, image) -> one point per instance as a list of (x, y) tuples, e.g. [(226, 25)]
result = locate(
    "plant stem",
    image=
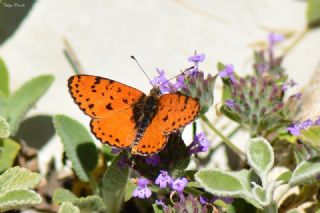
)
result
[(296, 41), (223, 137), (272, 208)]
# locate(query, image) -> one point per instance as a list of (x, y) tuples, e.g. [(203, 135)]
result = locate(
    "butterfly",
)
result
[(125, 117)]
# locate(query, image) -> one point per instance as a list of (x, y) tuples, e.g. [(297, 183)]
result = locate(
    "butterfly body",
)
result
[(125, 117)]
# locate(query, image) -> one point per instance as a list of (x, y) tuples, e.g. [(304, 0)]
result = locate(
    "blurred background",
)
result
[(104, 33)]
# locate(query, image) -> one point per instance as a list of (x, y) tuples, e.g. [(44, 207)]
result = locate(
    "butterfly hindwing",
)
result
[(100, 97), (117, 130), (176, 110), (152, 141)]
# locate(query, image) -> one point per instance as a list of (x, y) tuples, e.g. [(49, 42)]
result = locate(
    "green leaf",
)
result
[(4, 79), (285, 177), (68, 207), (90, 203), (156, 208), (24, 98), (227, 184), (313, 13), (114, 183), (260, 156), (18, 178), (306, 172), (18, 199), (129, 190), (4, 128), (221, 183), (8, 153), (311, 136), (63, 195), (78, 145)]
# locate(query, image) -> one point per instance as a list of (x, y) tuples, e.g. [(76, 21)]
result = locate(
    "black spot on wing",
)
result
[(109, 106)]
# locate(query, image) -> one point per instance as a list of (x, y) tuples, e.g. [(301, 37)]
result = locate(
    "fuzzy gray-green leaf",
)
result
[(260, 155), (68, 207), (18, 199), (114, 183), (8, 153), (4, 128), (18, 178), (24, 98), (220, 183), (306, 172), (78, 145), (90, 203), (4, 79), (63, 195)]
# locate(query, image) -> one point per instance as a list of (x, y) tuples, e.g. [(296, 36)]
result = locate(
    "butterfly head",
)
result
[(155, 91)]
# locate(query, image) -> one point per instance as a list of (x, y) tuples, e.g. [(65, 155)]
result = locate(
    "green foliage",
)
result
[(18, 199), (4, 79), (68, 207), (313, 13), (78, 145), (227, 184), (114, 182), (8, 152), (311, 136), (129, 190), (15, 185), (24, 98), (4, 128), (92, 203), (260, 156), (306, 172)]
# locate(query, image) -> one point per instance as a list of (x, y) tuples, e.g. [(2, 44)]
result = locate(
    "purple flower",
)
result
[(274, 38), (153, 160), (115, 150), (179, 184), (203, 200), (317, 122), (230, 103), (163, 179), (228, 72), (199, 144), (294, 129), (160, 203), (180, 82), (196, 58), (288, 85), (162, 82), (306, 124), (142, 191)]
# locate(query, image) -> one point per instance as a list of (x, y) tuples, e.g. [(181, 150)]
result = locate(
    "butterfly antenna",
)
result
[(186, 70), (140, 67)]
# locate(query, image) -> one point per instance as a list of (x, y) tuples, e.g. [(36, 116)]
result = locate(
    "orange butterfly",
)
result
[(124, 117)]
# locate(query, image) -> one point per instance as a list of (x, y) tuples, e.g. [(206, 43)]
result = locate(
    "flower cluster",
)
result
[(266, 62), (164, 180), (295, 128), (252, 100), (191, 82)]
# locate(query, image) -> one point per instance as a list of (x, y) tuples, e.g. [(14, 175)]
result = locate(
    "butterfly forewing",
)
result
[(99, 97), (176, 110)]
